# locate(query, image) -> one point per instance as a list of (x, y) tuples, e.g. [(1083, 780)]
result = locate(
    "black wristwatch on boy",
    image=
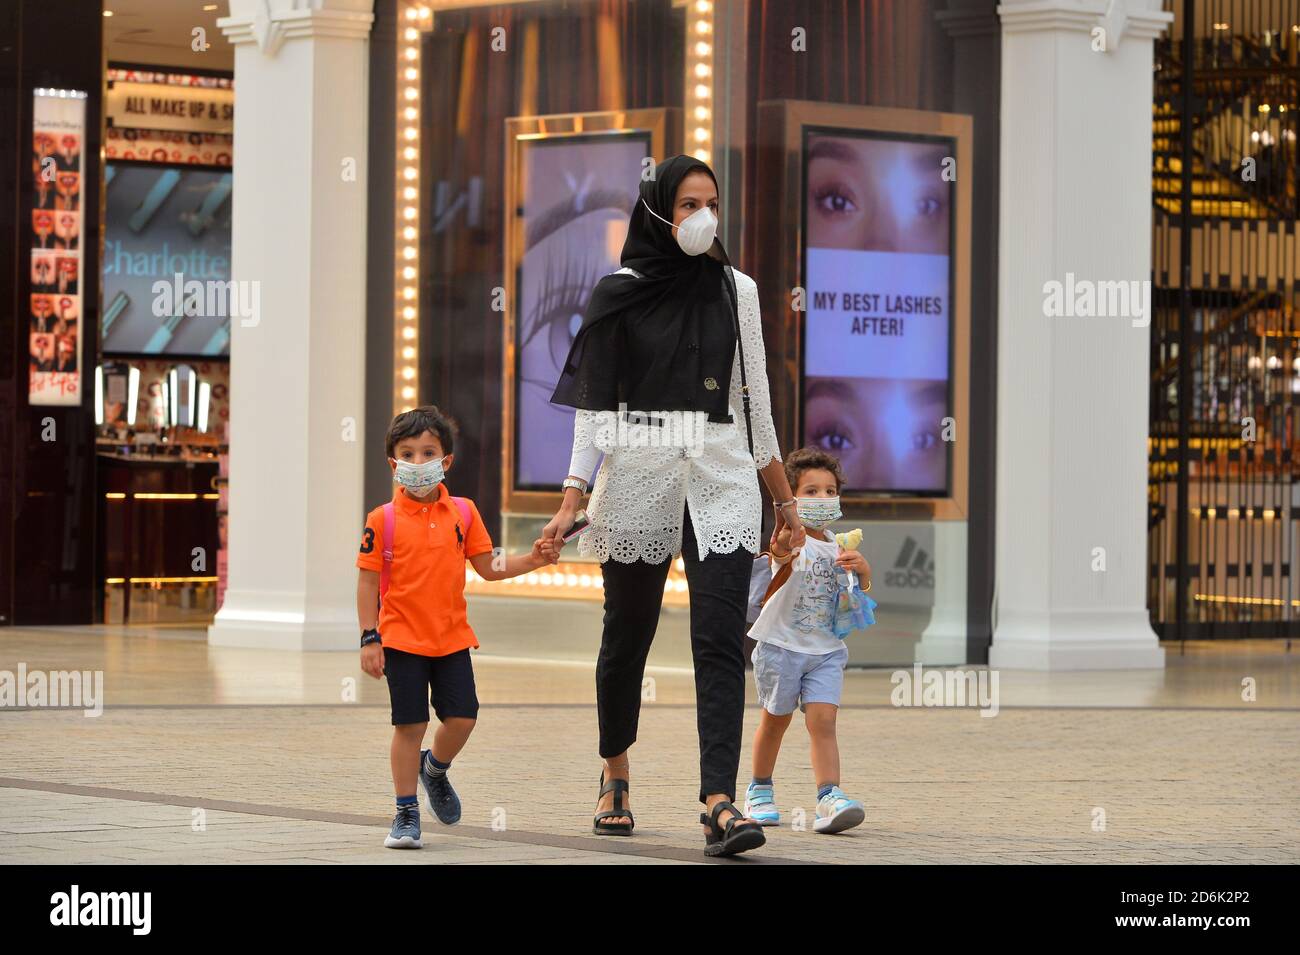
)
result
[(370, 636)]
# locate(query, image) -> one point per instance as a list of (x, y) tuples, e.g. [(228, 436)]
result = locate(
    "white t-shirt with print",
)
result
[(800, 616)]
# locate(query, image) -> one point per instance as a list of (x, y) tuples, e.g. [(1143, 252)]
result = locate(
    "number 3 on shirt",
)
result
[(368, 541)]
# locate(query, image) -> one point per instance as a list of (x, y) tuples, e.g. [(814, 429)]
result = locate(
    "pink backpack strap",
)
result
[(390, 524), (466, 515)]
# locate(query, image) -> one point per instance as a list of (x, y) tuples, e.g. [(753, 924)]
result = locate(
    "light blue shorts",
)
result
[(788, 678)]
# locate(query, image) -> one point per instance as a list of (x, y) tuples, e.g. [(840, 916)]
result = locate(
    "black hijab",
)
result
[(656, 343)]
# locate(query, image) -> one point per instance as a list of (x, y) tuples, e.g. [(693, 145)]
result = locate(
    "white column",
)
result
[(943, 642), (973, 26), (297, 374), (1072, 391)]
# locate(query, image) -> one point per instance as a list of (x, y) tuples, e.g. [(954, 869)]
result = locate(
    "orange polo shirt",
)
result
[(424, 609)]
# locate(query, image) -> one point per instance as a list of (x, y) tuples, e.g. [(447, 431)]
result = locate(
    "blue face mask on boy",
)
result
[(419, 477)]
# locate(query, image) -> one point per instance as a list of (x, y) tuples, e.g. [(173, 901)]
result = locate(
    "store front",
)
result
[(162, 388), (50, 208), (1225, 369), (425, 193), (522, 130), (116, 482)]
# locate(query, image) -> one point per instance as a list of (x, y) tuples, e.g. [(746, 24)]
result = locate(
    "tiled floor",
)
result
[(205, 755)]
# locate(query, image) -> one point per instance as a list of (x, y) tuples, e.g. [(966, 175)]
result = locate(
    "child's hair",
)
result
[(812, 459), (413, 423)]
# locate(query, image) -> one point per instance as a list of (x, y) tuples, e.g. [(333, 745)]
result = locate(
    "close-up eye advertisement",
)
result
[(877, 341), (674, 433), (576, 195)]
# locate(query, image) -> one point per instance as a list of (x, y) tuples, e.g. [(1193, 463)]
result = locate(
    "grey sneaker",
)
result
[(443, 801), (405, 833)]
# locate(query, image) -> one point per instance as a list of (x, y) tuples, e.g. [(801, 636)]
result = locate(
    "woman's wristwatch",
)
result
[(577, 483), (370, 636)]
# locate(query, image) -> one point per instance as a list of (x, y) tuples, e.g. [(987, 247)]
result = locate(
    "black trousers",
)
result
[(719, 591)]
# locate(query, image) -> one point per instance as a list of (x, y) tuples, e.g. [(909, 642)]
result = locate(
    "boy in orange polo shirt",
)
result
[(420, 638)]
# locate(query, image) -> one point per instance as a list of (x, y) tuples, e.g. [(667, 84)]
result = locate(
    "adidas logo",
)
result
[(913, 568)]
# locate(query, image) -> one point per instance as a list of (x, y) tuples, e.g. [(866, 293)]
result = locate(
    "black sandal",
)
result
[(739, 834), (601, 828)]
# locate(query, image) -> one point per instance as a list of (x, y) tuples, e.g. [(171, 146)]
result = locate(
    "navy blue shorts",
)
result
[(449, 682)]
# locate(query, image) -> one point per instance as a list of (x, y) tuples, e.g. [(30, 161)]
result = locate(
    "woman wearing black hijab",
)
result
[(669, 377)]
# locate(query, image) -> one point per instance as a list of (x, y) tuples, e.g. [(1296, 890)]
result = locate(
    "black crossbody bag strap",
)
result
[(744, 383)]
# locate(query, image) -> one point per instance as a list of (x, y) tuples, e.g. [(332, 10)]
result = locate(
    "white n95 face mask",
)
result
[(696, 233)]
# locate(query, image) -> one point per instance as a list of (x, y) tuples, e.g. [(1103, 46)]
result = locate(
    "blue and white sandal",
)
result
[(760, 804), (837, 812)]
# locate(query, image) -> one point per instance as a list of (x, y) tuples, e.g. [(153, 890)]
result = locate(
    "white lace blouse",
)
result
[(651, 473)]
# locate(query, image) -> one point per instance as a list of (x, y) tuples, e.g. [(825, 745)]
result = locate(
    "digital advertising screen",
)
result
[(878, 215), (576, 195), (167, 260)]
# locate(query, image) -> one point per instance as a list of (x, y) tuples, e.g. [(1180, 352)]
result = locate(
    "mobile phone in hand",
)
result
[(579, 525)]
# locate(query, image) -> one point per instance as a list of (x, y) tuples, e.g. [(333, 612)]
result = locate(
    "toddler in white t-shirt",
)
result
[(799, 660)]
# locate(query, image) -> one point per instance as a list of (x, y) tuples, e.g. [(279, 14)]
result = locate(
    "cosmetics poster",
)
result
[(577, 193), (54, 306), (878, 211)]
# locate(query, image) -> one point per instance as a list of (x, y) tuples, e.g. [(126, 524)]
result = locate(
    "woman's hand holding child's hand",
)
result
[(780, 545), (795, 530), (548, 549), (545, 551), (555, 529)]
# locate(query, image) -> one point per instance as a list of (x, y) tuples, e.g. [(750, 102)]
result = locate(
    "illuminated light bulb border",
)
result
[(414, 19), (699, 79), (575, 580)]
